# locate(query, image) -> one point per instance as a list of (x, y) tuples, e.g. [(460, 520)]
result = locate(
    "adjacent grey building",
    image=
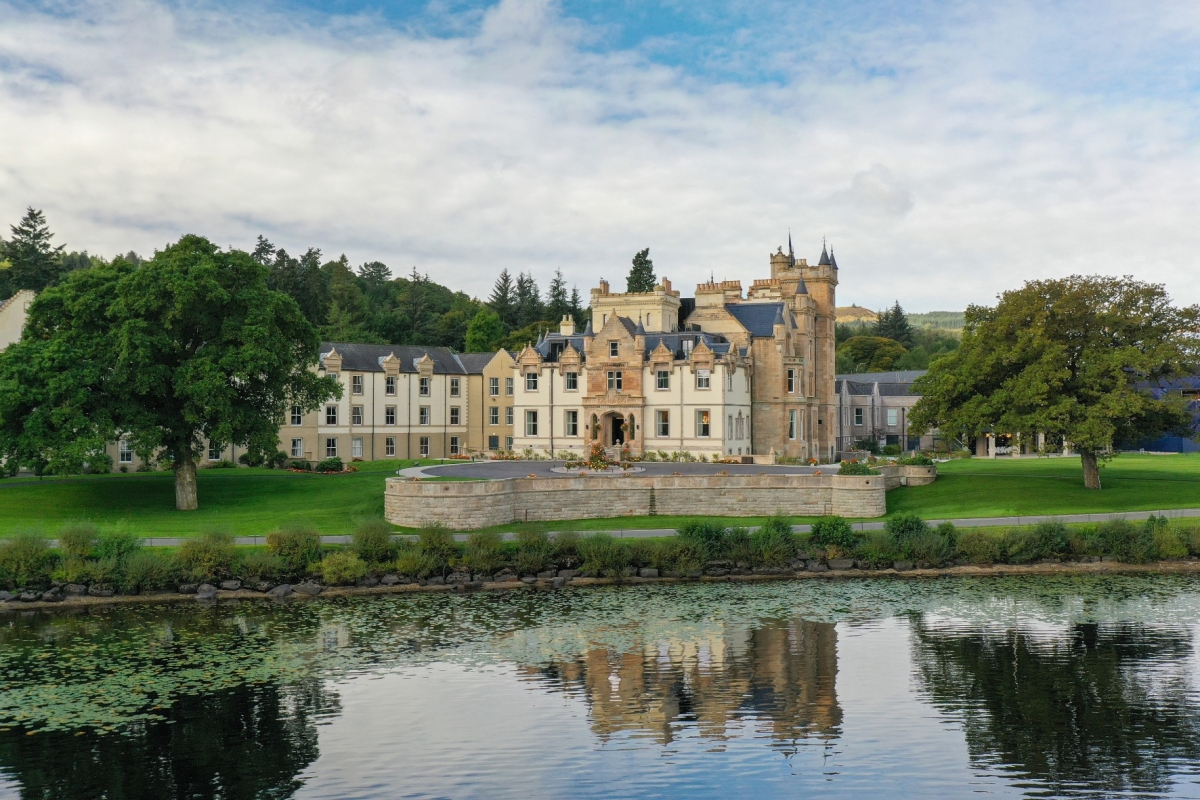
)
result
[(876, 405)]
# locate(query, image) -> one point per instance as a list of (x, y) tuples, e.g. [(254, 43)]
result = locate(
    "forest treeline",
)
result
[(891, 343)]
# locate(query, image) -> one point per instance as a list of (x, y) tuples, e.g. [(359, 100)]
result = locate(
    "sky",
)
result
[(947, 151)]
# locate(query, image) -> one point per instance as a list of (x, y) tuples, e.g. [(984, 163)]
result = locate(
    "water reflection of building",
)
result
[(779, 673)]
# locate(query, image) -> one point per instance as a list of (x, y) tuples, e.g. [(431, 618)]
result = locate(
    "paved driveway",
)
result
[(521, 469)]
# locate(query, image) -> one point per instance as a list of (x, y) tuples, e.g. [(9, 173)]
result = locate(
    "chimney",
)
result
[(567, 326), (603, 286)]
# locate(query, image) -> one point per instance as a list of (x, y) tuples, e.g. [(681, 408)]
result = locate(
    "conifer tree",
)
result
[(529, 308), (34, 262), (264, 251), (503, 300), (893, 324), (641, 274), (578, 312), (558, 305)]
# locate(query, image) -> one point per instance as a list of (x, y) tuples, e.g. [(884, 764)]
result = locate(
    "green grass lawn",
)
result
[(248, 502), (980, 487)]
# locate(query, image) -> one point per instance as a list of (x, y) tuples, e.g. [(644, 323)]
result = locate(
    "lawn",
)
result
[(248, 502), (980, 487)]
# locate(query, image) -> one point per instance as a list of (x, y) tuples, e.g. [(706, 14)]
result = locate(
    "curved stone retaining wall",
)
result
[(466, 505)]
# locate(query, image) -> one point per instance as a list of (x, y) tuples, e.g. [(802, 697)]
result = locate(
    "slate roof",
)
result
[(891, 384), (758, 318), (473, 363), (358, 357), (895, 376), (555, 343)]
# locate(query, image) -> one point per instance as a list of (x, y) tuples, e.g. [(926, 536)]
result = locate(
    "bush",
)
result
[(484, 553), (928, 549), (147, 570), (534, 552), (224, 463), (739, 546), (877, 549), (604, 555), (1191, 535), (855, 468), (642, 553), (25, 560), (834, 531), (117, 545), (301, 464), (979, 548), (1127, 542), (342, 568), (207, 556), (436, 543), (104, 570), (77, 539), (72, 569), (1052, 538), (774, 545), (904, 526), (373, 541), (1022, 546), (870, 445), (566, 549), (1170, 543), (678, 555), (1085, 541), (891, 450), (916, 460), (330, 465), (706, 536), (298, 546), (414, 563), (950, 533), (261, 566)]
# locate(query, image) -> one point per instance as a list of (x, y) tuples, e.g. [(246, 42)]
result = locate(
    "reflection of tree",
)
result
[(1093, 709), (245, 742), (780, 671)]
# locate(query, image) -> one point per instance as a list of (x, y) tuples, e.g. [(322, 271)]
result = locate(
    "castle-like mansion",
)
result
[(722, 374)]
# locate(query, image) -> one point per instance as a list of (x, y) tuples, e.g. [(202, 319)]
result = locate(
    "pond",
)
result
[(1080, 686)]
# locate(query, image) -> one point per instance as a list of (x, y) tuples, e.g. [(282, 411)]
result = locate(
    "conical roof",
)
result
[(832, 258), (588, 330), (824, 262)]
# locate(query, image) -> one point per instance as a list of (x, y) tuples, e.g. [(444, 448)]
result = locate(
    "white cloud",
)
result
[(942, 173)]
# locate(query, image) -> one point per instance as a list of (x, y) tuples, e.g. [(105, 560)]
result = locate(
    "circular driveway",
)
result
[(497, 470)]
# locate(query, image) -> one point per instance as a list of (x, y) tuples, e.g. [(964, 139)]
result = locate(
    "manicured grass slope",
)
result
[(978, 487)]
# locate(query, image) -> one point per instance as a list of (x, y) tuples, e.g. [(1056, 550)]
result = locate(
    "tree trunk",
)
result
[(1091, 472), (185, 484)]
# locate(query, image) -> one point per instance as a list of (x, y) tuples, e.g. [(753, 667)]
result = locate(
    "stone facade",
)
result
[(876, 405), (469, 505)]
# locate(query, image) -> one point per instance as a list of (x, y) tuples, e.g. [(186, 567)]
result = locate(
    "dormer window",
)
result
[(614, 349), (687, 346)]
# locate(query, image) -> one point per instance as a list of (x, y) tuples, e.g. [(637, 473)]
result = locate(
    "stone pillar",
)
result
[(991, 439)]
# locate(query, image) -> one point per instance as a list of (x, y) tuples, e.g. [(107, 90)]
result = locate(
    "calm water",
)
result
[(1083, 687)]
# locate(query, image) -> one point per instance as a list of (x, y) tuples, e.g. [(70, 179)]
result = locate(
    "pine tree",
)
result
[(35, 264), (558, 305), (503, 301), (893, 324), (264, 251), (641, 275), (578, 312), (529, 308)]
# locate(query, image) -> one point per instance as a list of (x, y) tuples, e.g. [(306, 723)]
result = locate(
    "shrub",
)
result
[(147, 570), (259, 565), (436, 543), (904, 526), (1191, 534), (739, 546), (373, 541), (1052, 538), (1022, 546), (209, 555), (707, 536), (1170, 543), (72, 569), (678, 555), (834, 531), (979, 548), (855, 468), (77, 539), (916, 460), (117, 545), (604, 555), (301, 464), (928, 549), (330, 465), (224, 463), (877, 549), (1127, 542), (642, 553), (484, 553), (414, 563), (342, 568), (25, 560), (298, 546), (774, 545), (950, 533), (891, 450), (566, 549), (1085, 541), (870, 445)]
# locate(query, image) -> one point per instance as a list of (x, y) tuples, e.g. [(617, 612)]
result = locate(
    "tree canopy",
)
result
[(641, 274), (485, 332), (1074, 359), (870, 354), (31, 262), (893, 324), (188, 348)]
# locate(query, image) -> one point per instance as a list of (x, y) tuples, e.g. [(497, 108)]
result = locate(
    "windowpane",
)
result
[(703, 423), (858, 416), (125, 452), (615, 380), (214, 452), (390, 385), (663, 422), (508, 386), (455, 415), (893, 416), (356, 449), (494, 415), (389, 415), (297, 415), (791, 424), (531, 423), (572, 381), (453, 445), (455, 387), (508, 442), (664, 379), (356, 415), (702, 378), (356, 384), (614, 349), (424, 445), (424, 387), (494, 387), (297, 448), (531, 379), (508, 415), (571, 422), (424, 415), (389, 446), (331, 447), (331, 415)]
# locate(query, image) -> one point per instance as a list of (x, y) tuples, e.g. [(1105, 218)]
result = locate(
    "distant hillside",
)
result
[(942, 320)]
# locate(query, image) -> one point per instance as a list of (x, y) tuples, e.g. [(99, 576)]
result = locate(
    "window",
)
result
[(687, 345), (531, 423), (508, 415), (297, 448), (424, 446), (664, 379), (494, 387), (702, 378), (331, 415), (125, 452), (858, 416), (455, 387), (508, 386), (571, 422), (792, 424), (615, 381), (389, 447), (729, 381), (893, 416), (453, 445), (493, 443), (356, 415), (356, 447), (214, 451), (614, 350), (423, 418), (331, 447), (494, 415), (297, 415), (389, 386), (455, 415), (389, 415), (508, 442), (531, 382), (791, 381), (729, 427), (356, 384), (703, 423), (662, 422), (424, 391), (572, 381)]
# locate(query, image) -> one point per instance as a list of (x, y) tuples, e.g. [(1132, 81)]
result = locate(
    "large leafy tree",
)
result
[(870, 353), (189, 347), (1074, 359), (641, 274), (485, 332), (34, 262)]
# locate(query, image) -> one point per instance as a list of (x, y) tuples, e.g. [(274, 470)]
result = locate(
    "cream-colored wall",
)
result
[(13, 313)]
